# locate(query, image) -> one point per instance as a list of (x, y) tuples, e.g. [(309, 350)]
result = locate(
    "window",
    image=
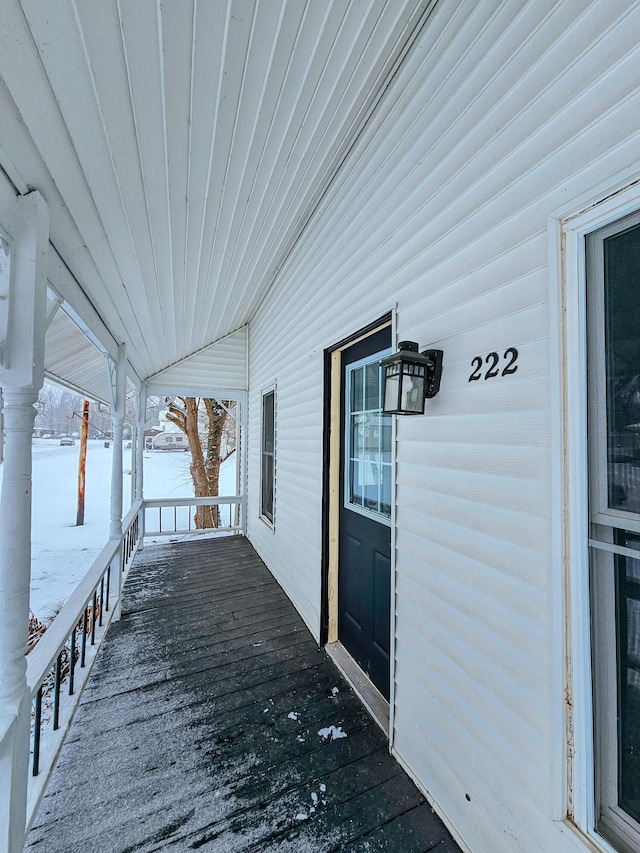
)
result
[(613, 306), (368, 441), (267, 474)]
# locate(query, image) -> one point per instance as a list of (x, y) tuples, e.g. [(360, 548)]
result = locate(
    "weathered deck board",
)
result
[(183, 739)]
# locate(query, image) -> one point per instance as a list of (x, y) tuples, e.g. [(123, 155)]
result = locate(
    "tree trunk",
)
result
[(198, 468), (216, 417), (205, 468)]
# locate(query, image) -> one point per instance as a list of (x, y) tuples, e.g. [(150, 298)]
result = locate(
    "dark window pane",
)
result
[(622, 361), (358, 427), (268, 458), (372, 387), (357, 377), (356, 495), (268, 422), (267, 486), (385, 497), (628, 631)]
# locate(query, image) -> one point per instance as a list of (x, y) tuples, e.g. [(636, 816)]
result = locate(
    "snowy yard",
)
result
[(61, 552)]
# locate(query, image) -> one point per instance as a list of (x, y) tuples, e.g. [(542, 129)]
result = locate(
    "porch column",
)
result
[(243, 459), (21, 377), (141, 416), (1, 426), (117, 371), (117, 377)]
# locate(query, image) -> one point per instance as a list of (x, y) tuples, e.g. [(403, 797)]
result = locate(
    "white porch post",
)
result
[(117, 372), (118, 377), (21, 377), (1, 426), (243, 459), (141, 416)]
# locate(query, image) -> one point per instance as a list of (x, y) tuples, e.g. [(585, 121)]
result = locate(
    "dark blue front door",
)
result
[(366, 465)]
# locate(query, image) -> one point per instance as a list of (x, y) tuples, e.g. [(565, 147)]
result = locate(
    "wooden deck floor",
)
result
[(199, 729)]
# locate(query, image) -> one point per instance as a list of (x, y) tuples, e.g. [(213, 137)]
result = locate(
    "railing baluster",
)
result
[(56, 693), (93, 617), (35, 769), (83, 648), (78, 633), (175, 518), (72, 662)]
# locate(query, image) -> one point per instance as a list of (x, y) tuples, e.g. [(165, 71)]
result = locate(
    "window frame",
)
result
[(269, 518), (611, 819), (574, 801)]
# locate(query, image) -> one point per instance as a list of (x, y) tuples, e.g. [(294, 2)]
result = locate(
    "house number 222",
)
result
[(492, 362)]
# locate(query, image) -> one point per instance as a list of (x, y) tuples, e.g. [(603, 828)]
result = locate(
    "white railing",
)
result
[(58, 666), (171, 516)]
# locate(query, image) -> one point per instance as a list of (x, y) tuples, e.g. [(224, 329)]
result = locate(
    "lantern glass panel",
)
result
[(412, 397), (391, 388)]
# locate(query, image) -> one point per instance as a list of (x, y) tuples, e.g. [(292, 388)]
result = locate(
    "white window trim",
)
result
[(269, 389), (574, 782)]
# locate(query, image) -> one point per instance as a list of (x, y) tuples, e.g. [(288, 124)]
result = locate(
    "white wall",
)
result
[(503, 114)]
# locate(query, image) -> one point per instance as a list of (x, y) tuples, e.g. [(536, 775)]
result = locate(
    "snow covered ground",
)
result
[(61, 552)]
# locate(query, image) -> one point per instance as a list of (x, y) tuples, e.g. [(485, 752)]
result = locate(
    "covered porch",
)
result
[(211, 720)]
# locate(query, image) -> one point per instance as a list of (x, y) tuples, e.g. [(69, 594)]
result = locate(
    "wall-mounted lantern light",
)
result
[(409, 378)]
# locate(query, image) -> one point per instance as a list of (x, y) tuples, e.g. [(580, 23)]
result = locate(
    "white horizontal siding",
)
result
[(222, 366), (500, 116)]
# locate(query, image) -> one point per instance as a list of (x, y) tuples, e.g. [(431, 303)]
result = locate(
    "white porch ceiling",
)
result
[(183, 144), (72, 360)]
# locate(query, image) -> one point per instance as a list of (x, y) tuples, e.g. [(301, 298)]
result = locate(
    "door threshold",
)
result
[(364, 688)]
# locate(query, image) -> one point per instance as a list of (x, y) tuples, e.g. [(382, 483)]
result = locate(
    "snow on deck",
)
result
[(203, 727)]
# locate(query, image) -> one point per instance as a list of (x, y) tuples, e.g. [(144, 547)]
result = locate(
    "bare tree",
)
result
[(195, 416)]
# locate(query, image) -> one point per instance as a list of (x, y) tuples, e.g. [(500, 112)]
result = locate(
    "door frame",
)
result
[(332, 495)]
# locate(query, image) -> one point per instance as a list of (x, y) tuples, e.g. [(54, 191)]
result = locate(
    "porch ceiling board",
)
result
[(73, 361), (222, 366), (182, 145)]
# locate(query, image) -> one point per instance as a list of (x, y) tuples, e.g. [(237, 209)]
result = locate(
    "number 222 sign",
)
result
[(495, 367)]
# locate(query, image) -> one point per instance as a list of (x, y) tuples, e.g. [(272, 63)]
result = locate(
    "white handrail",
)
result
[(172, 527), (113, 563), (207, 501), (110, 566), (43, 656)]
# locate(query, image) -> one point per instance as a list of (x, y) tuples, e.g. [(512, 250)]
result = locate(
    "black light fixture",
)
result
[(409, 378)]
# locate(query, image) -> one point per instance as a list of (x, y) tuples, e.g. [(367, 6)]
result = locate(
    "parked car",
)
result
[(67, 442)]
